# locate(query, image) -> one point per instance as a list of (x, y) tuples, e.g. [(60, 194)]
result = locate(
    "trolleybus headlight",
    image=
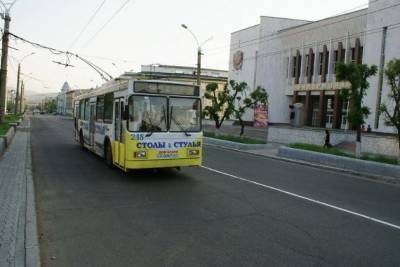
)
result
[(140, 154), (194, 152)]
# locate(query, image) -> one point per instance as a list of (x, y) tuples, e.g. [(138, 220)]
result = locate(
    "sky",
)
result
[(125, 34)]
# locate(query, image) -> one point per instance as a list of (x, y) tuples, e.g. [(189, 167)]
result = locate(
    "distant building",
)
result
[(182, 74), (294, 60), (65, 99)]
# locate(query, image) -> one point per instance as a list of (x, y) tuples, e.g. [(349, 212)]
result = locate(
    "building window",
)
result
[(310, 66), (321, 60), (294, 66)]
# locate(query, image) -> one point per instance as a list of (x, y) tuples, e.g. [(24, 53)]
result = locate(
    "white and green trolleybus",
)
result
[(139, 124)]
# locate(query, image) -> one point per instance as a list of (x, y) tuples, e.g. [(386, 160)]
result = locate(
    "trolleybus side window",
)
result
[(100, 108), (108, 107), (87, 109), (184, 114), (147, 113), (81, 109)]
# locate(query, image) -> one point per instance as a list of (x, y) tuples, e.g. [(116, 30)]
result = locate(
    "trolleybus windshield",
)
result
[(161, 114)]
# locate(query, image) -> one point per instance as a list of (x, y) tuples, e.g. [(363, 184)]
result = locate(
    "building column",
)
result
[(330, 63), (295, 97), (316, 63), (308, 109), (337, 110), (290, 68), (347, 55), (303, 65), (322, 109)]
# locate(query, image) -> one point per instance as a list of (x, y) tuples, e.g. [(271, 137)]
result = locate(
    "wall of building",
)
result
[(381, 13), (370, 143)]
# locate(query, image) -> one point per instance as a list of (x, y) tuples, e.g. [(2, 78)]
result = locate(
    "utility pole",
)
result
[(198, 66), (3, 71), (21, 100), (199, 53), (17, 90)]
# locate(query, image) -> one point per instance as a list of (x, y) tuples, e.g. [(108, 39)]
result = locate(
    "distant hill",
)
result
[(35, 97)]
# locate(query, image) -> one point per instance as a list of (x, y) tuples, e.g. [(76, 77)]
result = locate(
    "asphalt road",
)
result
[(90, 215)]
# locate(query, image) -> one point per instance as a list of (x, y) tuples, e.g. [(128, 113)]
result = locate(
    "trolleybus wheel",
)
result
[(108, 154)]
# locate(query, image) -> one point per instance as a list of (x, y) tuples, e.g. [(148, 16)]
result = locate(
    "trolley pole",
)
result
[(3, 71), (17, 90)]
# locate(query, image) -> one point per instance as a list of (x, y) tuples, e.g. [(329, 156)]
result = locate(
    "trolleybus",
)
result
[(139, 124)]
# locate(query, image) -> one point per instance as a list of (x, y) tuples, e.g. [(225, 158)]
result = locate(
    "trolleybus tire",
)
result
[(108, 154)]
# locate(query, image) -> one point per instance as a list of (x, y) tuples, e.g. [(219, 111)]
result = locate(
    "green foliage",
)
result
[(232, 101), (357, 75), (49, 105), (392, 113), (258, 97), (10, 106), (238, 139), (4, 128), (220, 108)]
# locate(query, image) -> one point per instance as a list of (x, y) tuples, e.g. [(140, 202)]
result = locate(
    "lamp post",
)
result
[(18, 77), (199, 53)]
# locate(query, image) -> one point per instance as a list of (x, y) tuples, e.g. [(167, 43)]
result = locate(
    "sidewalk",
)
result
[(18, 235)]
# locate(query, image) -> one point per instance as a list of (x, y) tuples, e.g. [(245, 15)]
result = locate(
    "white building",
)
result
[(62, 99), (294, 60)]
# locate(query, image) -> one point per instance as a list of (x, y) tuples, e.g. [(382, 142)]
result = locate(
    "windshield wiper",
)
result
[(180, 125)]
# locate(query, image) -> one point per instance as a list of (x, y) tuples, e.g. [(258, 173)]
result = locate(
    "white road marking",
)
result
[(305, 198)]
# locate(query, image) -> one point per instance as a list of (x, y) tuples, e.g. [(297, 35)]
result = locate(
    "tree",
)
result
[(221, 103), (357, 75), (257, 97), (392, 112)]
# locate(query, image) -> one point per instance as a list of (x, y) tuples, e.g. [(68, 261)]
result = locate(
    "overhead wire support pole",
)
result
[(199, 52), (4, 57)]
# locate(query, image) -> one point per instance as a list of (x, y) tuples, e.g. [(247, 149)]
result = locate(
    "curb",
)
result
[(234, 145), (379, 178), (32, 249), (5, 140), (356, 165)]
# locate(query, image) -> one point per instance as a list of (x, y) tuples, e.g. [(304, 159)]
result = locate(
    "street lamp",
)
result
[(18, 76), (199, 45)]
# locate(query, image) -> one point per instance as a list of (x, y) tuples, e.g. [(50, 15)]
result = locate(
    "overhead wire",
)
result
[(107, 22), (104, 75), (87, 24)]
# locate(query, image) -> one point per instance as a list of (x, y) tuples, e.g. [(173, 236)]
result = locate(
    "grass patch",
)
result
[(4, 128), (380, 158), (335, 151), (320, 149), (12, 118), (237, 139)]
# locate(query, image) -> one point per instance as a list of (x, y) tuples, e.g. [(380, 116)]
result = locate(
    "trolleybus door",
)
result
[(119, 148), (92, 126)]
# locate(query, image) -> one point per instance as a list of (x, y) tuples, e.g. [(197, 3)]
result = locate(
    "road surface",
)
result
[(238, 210)]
